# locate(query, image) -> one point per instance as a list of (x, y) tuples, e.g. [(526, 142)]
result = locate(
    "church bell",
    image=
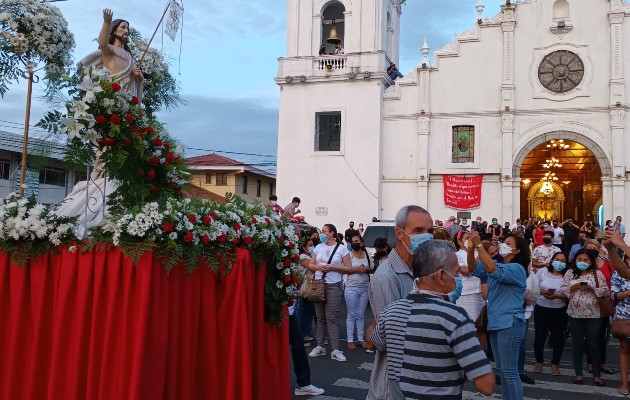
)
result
[(333, 38)]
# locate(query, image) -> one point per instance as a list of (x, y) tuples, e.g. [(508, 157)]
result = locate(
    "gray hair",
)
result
[(403, 214), (431, 256)]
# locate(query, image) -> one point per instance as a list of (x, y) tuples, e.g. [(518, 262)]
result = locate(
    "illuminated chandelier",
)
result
[(552, 163), (557, 144), (546, 188), (549, 176)]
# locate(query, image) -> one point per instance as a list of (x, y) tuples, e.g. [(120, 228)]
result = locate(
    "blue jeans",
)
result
[(305, 314), (506, 346), (521, 351), (356, 303)]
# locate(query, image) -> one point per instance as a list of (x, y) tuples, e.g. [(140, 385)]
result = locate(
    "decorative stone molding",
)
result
[(617, 118), (423, 125)]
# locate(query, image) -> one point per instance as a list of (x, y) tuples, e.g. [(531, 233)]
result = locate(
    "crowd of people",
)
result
[(484, 289)]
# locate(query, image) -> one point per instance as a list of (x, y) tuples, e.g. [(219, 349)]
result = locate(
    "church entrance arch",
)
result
[(561, 177)]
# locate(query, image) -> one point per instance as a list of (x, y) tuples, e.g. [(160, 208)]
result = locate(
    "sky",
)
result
[(229, 52)]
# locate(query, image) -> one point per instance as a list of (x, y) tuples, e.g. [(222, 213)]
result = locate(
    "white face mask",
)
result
[(466, 243), (504, 250)]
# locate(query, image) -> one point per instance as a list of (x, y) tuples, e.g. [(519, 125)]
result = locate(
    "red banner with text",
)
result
[(461, 192)]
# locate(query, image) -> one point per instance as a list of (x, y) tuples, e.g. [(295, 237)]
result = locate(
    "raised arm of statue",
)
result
[(103, 37)]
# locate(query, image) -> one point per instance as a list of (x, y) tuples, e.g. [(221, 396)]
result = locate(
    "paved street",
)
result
[(350, 380)]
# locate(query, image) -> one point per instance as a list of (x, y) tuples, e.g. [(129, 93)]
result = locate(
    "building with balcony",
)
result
[(220, 175)]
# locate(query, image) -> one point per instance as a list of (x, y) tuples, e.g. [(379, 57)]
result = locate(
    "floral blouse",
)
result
[(618, 284), (583, 303)]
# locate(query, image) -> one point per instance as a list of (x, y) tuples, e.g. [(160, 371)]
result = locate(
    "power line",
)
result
[(232, 152)]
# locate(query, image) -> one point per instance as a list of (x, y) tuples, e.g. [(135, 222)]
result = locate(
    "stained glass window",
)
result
[(463, 144)]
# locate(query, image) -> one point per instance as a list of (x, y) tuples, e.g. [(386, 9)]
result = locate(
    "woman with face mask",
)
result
[(306, 309), (583, 284), (330, 260), (495, 229), (473, 294), (605, 267), (506, 315), (356, 293), (550, 312)]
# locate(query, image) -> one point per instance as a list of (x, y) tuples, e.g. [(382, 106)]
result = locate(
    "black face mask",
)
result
[(547, 240), (315, 241), (356, 246)]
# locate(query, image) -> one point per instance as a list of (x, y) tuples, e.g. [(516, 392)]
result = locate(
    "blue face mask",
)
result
[(323, 238), (456, 294), (559, 265), (417, 240), (310, 250), (582, 266)]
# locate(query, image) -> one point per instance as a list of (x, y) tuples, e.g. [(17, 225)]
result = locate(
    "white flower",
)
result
[(73, 127), (90, 88)]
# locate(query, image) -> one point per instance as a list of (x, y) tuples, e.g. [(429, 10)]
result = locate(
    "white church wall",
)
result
[(334, 186)]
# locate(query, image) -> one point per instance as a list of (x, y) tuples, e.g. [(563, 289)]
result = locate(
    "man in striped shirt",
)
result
[(431, 344)]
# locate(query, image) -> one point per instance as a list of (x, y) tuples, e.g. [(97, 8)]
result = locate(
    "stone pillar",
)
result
[(508, 24), (607, 194), (424, 128)]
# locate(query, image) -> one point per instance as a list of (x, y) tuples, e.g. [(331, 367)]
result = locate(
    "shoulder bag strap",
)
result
[(596, 280), (330, 259)]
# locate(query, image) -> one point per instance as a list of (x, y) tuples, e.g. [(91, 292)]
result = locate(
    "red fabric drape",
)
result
[(91, 326)]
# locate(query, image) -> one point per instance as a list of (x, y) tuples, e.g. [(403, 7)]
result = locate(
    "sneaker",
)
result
[(555, 371), (337, 355), (317, 351), (309, 390), (308, 339), (369, 351), (539, 368)]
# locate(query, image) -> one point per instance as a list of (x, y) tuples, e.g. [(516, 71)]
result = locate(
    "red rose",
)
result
[(296, 259), (157, 141), (291, 245), (247, 240), (281, 239), (298, 234), (115, 119), (101, 119), (268, 221), (135, 129), (126, 141), (214, 216), (292, 298), (150, 129), (167, 145), (254, 221), (192, 219), (154, 160), (286, 262), (188, 237), (222, 238), (129, 118), (101, 142), (235, 241), (237, 227), (207, 220), (170, 156), (154, 188), (151, 174), (110, 141), (140, 171), (295, 278), (167, 227), (205, 239), (287, 279), (116, 87), (135, 100)]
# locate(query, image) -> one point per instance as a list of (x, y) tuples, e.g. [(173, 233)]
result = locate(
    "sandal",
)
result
[(609, 371), (351, 346), (623, 392)]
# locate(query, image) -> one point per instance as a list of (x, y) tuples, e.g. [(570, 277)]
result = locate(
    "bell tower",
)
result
[(332, 82)]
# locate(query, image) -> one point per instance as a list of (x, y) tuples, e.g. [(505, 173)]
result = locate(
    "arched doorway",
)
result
[(561, 179), (333, 26)]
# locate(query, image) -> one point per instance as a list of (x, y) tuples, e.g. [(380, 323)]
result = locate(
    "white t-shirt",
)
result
[(471, 284), (323, 252), (547, 281), (359, 279), (556, 235)]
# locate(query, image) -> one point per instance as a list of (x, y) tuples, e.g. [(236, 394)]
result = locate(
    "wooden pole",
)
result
[(168, 4), (27, 120)]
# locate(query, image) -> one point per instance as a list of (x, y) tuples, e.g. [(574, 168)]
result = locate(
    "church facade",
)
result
[(353, 143)]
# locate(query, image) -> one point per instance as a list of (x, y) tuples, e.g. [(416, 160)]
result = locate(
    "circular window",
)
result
[(561, 71)]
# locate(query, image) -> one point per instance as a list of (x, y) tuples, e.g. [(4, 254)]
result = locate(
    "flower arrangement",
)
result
[(28, 229), (32, 31), (106, 125), (161, 90), (187, 232)]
